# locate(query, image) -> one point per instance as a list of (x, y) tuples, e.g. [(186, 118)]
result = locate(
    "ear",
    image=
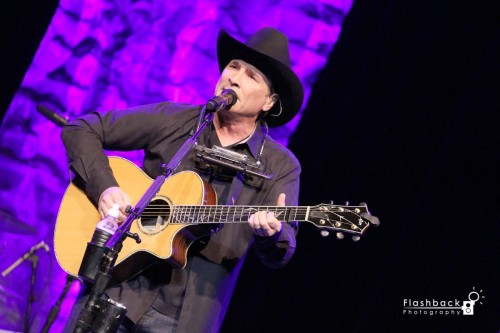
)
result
[(270, 102)]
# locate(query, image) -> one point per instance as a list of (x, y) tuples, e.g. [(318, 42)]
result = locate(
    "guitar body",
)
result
[(161, 239)]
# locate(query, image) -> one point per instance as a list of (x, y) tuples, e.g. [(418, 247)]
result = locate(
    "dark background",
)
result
[(404, 117)]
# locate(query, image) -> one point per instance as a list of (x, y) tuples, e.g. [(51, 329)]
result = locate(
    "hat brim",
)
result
[(285, 82)]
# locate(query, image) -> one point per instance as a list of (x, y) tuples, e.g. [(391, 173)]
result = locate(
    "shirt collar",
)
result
[(255, 141)]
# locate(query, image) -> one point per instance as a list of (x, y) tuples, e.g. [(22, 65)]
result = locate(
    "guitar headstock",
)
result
[(345, 219)]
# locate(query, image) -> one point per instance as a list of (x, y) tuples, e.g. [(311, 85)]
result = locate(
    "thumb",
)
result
[(281, 200)]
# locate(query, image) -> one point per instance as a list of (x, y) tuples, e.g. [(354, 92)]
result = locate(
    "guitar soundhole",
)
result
[(155, 216)]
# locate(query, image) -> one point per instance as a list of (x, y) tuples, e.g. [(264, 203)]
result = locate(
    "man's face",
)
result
[(251, 86)]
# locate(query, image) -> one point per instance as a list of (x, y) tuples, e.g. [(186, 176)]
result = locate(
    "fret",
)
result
[(192, 215), (280, 213), (210, 213), (294, 214), (223, 216), (217, 213), (173, 215), (202, 213)]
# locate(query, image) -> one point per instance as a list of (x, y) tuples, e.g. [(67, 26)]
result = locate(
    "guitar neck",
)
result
[(235, 214), (333, 217)]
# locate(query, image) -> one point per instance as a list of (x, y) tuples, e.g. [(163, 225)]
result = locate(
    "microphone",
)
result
[(227, 98), (51, 115), (45, 246)]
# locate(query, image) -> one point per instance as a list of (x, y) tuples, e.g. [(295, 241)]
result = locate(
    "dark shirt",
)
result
[(199, 294)]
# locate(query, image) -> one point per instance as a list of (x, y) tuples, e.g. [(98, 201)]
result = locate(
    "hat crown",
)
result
[(272, 43)]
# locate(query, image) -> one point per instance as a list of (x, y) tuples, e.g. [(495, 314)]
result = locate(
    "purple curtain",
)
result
[(98, 55)]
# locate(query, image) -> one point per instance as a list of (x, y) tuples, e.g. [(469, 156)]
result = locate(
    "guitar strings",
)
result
[(218, 214)]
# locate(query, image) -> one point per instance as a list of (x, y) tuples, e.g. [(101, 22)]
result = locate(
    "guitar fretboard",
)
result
[(234, 214)]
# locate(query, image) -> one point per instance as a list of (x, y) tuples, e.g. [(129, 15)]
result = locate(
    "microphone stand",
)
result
[(113, 246), (54, 311), (34, 264), (30, 255)]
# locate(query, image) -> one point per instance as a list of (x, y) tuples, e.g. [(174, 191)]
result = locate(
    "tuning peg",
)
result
[(331, 202), (324, 233), (370, 218), (355, 238), (347, 203), (339, 235)]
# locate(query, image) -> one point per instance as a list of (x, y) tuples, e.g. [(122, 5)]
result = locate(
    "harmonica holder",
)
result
[(232, 160)]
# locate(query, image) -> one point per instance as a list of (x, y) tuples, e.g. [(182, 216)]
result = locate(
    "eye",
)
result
[(252, 75)]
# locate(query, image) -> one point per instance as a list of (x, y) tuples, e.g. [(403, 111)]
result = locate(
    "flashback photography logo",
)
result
[(433, 307)]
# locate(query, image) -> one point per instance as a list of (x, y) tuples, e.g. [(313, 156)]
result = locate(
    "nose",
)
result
[(235, 77), (233, 82)]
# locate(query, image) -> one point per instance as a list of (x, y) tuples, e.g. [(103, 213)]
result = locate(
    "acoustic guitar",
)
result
[(182, 211)]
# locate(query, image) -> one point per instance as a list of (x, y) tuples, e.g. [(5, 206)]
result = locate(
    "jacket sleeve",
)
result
[(277, 250), (87, 137)]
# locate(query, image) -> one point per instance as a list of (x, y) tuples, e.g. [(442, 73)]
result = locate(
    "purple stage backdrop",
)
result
[(98, 55)]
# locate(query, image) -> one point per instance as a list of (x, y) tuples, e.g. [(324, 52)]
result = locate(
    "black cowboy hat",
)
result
[(267, 50)]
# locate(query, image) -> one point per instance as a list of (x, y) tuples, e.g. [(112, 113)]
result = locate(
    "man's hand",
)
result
[(265, 223), (111, 196)]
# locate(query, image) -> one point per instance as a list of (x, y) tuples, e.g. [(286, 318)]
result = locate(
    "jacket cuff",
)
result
[(101, 181)]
